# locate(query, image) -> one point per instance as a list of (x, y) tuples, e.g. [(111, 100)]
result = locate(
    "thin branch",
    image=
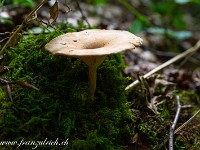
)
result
[(172, 127), (192, 50), (178, 129), (177, 112), (5, 33), (3, 40), (83, 15)]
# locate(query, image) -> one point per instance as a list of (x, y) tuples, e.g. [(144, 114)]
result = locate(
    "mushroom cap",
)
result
[(93, 42)]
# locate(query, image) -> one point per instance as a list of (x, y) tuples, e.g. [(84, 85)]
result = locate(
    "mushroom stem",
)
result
[(93, 62), (92, 77)]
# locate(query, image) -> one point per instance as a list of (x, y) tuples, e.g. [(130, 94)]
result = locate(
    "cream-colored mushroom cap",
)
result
[(92, 46), (93, 42)]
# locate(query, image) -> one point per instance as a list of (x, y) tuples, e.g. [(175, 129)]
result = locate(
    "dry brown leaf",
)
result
[(53, 13)]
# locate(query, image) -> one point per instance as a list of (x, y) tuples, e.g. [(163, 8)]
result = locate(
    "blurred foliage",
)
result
[(97, 2), (187, 1), (27, 3), (178, 35), (163, 15), (1, 3), (174, 21), (5, 20)]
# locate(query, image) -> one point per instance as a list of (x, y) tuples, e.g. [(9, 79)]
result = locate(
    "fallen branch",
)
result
[(172, 127), (192, 50), (179, 128)]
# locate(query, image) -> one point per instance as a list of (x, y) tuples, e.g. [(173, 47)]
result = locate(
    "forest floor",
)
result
[(181, 78)]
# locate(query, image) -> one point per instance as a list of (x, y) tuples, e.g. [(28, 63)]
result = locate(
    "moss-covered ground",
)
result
[(60, 109)]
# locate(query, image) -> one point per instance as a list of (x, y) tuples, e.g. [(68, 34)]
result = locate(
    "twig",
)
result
[(5, 33), (3, 40), (83, 15), (174, 59), (178, 129), (172, 127)]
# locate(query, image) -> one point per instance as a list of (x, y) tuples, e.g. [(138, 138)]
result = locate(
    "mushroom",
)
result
[(92, 46)]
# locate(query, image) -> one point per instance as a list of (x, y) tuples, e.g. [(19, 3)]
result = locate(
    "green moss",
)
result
[(59, 108)]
